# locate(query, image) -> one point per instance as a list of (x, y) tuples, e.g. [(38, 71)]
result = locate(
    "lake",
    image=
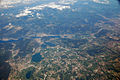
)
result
[(37, 57)]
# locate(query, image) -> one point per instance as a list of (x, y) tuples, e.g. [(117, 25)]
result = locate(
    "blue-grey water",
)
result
[(37, 57)]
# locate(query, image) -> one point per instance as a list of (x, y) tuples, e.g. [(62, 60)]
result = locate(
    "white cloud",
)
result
[(101, 1), (50, 5), (24, 13), (10, 3), (67, 1), (41, 7)]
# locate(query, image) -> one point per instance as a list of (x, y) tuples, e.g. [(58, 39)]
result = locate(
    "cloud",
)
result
[(101, 2), (52, 5), (10, 3)]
